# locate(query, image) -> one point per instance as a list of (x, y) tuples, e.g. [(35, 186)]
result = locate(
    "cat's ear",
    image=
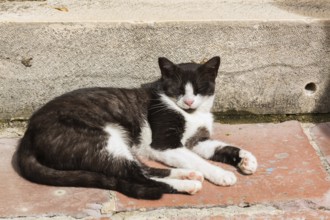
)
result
[(213, 63), (211, 67), (166, 66)]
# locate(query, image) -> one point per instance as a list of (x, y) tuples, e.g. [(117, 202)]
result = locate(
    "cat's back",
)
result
[(94, 105)]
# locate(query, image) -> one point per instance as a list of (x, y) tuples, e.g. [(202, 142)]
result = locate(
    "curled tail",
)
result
[(33, 170)]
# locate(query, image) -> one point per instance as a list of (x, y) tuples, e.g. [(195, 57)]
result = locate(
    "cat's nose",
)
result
[(188, 102)]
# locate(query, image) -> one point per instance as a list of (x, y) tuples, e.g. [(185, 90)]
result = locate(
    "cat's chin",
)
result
[(190, 110), (187, 109)]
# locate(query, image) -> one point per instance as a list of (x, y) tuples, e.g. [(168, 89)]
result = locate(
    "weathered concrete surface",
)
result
[(321, 135), (270, 50)]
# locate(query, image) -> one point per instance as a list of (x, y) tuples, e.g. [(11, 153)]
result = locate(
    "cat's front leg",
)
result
[(222, 152), (184, 158)]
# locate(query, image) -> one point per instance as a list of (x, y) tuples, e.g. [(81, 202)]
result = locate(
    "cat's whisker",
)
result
[(160, 110), (157, 107), (178, 79)]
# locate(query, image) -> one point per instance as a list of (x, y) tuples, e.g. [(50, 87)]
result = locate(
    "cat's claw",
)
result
[(223, 178), (248, 164)]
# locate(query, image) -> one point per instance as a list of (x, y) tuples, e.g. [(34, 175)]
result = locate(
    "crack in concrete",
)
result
[(198, 213), (249, 210), (307, 131), (300, 205), (269, 66), (275, 209), (41, 217)]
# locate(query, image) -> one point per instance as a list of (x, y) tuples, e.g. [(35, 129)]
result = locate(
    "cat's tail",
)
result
[(31, 169)]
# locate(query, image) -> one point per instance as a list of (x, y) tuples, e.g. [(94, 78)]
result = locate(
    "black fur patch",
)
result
[(202, 134), (157, 172), (167, 126), (227, 154)]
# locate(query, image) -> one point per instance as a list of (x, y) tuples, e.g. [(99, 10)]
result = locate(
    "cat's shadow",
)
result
[(14, 163)]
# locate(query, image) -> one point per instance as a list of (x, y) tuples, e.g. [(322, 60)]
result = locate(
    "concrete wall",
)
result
[(266, 64)]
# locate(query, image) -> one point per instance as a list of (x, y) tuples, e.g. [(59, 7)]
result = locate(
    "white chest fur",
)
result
[(192, 123), (200, 118), (195, 121)]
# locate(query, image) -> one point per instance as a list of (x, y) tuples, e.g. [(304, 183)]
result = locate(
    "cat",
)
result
[(95, 137)]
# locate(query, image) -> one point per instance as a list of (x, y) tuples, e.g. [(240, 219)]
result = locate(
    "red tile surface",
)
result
[(321, 135), (289, 169), (19, 197)]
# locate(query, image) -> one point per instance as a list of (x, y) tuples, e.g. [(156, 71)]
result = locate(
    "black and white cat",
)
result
[(94, 137)]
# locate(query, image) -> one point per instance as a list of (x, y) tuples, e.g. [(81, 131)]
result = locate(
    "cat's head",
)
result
[(189, 85)]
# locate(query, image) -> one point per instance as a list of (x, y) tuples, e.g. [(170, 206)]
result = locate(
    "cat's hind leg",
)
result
[(159, 180), (219, 151), (184, 158), (182, 180), (176, 173), (186, 174), (130, 168), (183, 186)]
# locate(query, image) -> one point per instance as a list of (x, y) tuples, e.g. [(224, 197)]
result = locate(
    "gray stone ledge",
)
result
[(266, 64)]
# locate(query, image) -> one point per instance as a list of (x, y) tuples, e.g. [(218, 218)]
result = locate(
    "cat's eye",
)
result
[(204, 88), (196, 91), (172, 90), (199, 88)]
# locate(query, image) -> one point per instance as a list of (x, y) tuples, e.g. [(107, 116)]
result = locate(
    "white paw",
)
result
[(223, 178), (186, 174), (187, 186), (193, 186), (248, 164)]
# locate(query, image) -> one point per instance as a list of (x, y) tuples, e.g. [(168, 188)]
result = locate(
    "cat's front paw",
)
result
[(248, 164), (223, 178)]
